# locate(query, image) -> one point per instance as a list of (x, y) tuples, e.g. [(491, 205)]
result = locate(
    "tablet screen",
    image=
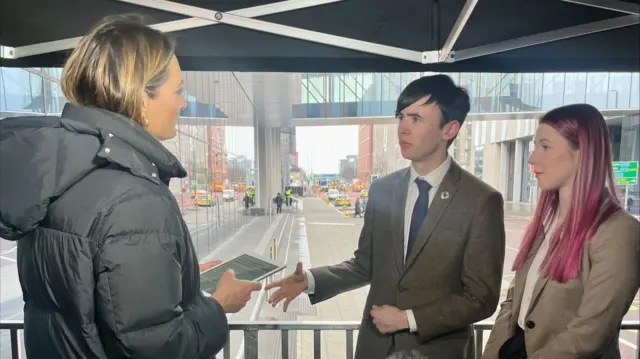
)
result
[(245, 267)]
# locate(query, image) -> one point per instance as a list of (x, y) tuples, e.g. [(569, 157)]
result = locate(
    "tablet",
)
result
[(247, 266)]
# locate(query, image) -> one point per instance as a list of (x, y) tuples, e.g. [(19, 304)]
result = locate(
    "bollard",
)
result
[(271, 253), (275, 249)]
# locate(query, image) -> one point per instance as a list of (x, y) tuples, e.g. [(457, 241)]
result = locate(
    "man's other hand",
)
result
[(389, 319)]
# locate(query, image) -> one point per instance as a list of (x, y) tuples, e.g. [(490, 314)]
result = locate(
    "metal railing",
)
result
[(251, 329)]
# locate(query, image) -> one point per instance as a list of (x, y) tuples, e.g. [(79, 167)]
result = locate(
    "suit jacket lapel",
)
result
[(443, 197), (397, 214)]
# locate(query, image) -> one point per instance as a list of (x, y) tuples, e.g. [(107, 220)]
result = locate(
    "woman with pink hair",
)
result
[(578, 268)]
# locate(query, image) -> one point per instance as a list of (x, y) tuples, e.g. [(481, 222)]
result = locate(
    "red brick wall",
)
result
[(365, 152)]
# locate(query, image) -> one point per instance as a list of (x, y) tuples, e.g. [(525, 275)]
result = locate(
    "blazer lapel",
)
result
[(443, 197), (397, 214), (540, 283), (521, 277)]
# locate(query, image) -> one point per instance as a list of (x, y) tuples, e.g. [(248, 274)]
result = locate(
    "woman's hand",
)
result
[(233, 294)]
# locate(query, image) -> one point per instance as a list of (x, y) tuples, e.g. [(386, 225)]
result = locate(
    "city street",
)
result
[(210, 228)]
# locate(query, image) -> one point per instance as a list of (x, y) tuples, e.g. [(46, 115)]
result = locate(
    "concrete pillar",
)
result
[(268, 165), (517, 172), (504, 169), (261, 163)]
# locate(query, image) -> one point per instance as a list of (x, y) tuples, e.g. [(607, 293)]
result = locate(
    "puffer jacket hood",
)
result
[(105, 259), (42, 157)]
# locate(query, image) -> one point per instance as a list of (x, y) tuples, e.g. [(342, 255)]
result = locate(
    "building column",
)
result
[(268, 165), (260, 164), (517, 172), (504, 169)]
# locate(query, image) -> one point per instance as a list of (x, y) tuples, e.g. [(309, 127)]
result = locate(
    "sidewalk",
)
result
[(332, 238), (519, 210)]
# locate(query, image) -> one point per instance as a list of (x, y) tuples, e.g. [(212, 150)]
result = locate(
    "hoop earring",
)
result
[(146, 122)]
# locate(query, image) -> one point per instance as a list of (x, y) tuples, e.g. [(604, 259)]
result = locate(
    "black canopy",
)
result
[(348, 35)]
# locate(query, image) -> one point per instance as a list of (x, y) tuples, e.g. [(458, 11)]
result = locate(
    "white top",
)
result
[(434, 178), (534, 274)]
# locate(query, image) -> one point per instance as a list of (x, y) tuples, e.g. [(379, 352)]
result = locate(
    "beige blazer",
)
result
[(580, 318), (452, 277)]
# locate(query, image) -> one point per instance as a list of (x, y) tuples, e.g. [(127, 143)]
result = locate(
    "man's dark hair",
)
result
[(452, 100), (405, 354)]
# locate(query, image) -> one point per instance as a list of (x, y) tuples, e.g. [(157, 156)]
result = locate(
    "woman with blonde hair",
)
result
[(578, 268), (106, 262)]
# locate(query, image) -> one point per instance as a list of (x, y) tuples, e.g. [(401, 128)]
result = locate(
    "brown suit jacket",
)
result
[(450, 280), (580, 318)]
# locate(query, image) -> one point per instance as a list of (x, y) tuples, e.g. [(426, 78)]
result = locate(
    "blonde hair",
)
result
[(115, 64)]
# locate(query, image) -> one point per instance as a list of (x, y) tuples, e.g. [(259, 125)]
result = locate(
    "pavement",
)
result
[(332, 238)]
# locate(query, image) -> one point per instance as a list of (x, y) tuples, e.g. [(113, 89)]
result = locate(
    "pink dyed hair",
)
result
[(593, 200)]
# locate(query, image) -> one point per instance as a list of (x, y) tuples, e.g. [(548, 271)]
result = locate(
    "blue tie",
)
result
[(419, 213)]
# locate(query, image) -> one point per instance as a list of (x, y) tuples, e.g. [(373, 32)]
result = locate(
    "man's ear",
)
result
[(450, 130)]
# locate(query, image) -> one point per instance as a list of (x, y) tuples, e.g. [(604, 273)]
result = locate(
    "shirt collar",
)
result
[(435, 177)]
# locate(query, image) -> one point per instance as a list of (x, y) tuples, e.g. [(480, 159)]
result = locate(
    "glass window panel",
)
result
[(575, 88), (634, 97), (619, 90), (597, 83), (20, 91), (552, 90)]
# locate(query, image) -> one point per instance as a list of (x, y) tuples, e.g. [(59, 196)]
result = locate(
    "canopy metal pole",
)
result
[(170, 26), (613, 5), (288, 31), (545, 37)]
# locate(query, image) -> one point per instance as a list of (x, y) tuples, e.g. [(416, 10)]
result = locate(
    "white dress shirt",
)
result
[(534, 274), (434, 178)]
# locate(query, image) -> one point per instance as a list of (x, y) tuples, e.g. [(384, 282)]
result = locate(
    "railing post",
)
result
[(317, 347), (349, 344), (638, 343), (250, 344), (284, 336), (478, 334), (15, 344)]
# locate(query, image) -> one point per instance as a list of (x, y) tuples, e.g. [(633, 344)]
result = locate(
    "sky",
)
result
[(320, 148)]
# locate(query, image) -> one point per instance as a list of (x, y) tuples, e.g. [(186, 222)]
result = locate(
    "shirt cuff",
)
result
[(311, 287), (413, 326)]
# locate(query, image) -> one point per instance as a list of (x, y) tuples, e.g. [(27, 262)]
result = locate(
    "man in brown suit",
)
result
[(432, 244)]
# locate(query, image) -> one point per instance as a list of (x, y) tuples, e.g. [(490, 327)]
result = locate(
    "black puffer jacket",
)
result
[(106, 262)]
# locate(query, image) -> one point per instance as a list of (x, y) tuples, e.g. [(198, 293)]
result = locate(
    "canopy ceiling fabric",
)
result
[(417, 25)]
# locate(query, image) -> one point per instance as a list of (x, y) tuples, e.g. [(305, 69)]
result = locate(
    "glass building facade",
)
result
[(375, 94)]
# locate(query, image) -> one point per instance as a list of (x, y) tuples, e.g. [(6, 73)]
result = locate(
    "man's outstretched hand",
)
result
[(289, 287)]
